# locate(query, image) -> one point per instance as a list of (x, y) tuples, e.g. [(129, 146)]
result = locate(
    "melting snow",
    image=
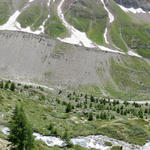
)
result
[(105, 36), (133, 10), (111, 19), (48, 3), (131, 53), (31, 1), (110, 15)]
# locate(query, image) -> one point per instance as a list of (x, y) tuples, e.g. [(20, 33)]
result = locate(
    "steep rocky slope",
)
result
[(111, 34), (41, 60)]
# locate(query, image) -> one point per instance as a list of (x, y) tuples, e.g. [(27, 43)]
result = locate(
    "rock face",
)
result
[(144, 4)]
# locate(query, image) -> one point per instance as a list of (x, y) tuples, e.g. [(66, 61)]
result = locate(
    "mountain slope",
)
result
[(80, 68), (51, 62)]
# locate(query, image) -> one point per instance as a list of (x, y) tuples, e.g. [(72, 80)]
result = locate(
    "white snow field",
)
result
[(132, 10), (13, 25), (77, 37), (131, 53)]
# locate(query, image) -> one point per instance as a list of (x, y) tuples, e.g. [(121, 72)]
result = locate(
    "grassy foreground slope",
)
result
[(126, 30), (60, 111), (89, 17)]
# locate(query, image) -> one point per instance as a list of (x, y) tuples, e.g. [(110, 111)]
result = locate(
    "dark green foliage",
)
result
[(116, 148), (108, 143), (50, 127), (54, 131), (7, 85), (90, 117), (26, 86), (92, 98), (68, 108), (21, 134), (1, 85), (12, 86), (66, 136)]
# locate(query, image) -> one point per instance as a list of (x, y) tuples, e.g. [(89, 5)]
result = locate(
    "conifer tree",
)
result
[(68, 108), (21, 134), (12, 86), (1, 85), (90, 117)]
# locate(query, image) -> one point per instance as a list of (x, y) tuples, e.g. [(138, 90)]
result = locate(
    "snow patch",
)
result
[(48, 3), (131, 53), (111, 19), (110, 15), (31, 1), (132, 10), (105, 35)]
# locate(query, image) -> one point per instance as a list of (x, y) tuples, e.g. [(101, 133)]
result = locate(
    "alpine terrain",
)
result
[(75, 74)]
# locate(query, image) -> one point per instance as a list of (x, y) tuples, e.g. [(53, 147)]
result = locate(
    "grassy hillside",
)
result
[(53, 113), (135, 35), (5, 7), (131, 76), (90, 17), (33, 16), (54, 27)]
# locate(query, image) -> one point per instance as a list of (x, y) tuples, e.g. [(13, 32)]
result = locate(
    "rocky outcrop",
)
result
[(144, 4)]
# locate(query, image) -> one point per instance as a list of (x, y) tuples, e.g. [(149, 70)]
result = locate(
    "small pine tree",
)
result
[(1, 85), (7, 85), (21, 134), (12, 86), (68, 108), (92, 98), (50, 127), (90, 117)]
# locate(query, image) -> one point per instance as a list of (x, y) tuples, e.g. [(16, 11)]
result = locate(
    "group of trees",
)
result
[(21, 134), (8, 85), (102, 108)]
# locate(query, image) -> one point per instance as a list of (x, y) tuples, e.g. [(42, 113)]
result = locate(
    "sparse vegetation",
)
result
[(49, 117)]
